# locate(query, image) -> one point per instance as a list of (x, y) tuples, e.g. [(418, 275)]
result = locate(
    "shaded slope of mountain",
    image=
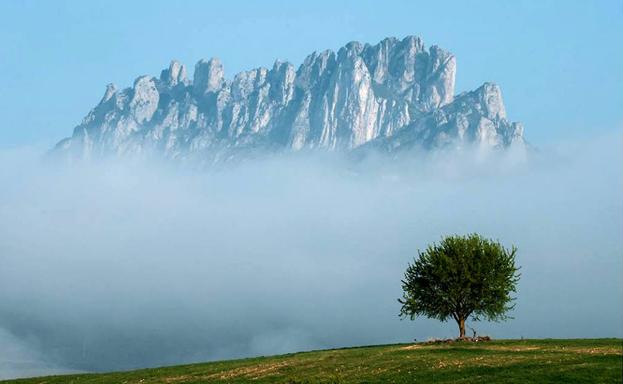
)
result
[(476, 117), (390, 95)]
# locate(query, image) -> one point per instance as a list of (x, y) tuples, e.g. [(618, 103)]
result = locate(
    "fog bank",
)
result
[(120, 265)]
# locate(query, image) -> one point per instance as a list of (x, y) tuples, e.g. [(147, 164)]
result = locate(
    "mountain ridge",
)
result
[(391, 96)]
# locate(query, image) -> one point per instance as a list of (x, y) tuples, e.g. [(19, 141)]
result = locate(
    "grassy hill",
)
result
[(504, 361)]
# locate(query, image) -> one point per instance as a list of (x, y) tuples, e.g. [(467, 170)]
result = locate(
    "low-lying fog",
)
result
[(115, 266)]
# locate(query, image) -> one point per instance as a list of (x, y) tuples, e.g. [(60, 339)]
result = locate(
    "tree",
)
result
[(462, 276)]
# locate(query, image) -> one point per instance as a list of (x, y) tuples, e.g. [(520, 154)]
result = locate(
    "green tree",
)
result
[(462, 276)]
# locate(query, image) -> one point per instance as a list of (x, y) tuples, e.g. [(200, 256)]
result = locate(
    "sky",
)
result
[(558, 63)]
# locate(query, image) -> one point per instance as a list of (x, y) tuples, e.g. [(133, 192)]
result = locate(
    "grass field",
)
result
[(504, 361)]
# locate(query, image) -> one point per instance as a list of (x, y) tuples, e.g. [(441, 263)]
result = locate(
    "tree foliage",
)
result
[(461, 277)]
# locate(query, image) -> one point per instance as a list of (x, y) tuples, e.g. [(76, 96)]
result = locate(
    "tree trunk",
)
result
[(461, 322)]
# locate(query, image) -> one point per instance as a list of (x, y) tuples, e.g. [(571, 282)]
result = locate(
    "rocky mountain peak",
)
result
[(175, 74), (144, 102), (396, 94), (110, 92), (490, 97), (209, 76)]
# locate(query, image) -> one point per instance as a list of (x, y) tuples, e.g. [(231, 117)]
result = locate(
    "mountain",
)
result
[(391, 96)]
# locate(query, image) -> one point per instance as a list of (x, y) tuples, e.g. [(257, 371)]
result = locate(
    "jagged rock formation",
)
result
[(477, 117), (393, 95)]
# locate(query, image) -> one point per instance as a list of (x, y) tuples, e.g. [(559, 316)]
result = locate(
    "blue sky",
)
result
[(559, 63)]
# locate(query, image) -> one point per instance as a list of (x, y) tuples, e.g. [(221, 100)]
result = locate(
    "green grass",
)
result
[(503, 361)]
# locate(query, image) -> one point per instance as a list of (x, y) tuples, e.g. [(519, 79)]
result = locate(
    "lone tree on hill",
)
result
[(460, 277)]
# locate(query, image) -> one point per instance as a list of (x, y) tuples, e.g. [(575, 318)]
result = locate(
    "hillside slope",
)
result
[(542, 361)]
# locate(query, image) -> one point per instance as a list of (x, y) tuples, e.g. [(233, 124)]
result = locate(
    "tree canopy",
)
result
[(461, 277)]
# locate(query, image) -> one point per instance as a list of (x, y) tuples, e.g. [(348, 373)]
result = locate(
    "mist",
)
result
[(120, 264)]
